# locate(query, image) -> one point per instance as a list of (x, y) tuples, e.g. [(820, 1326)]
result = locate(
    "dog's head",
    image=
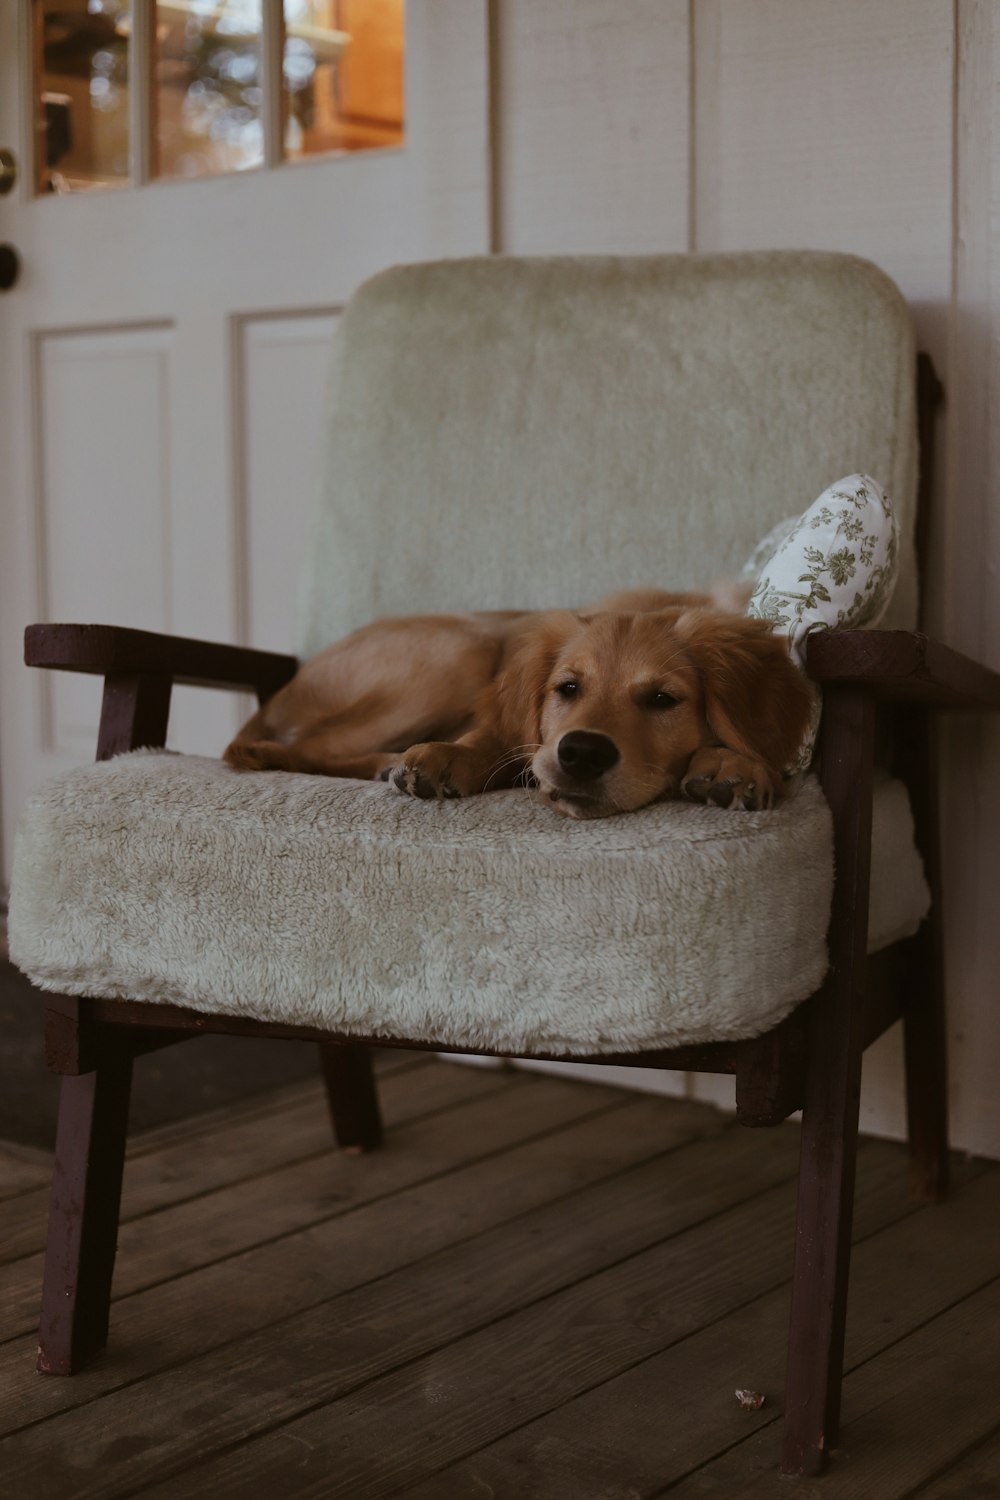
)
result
[(617, 704)]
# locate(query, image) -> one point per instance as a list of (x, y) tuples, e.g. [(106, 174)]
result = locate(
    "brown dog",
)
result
[(643, 697)]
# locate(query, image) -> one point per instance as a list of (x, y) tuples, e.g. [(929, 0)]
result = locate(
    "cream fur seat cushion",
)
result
[(486, 923)]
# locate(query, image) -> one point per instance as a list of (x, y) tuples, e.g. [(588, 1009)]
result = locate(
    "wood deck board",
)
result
[(538, 1289), (432, 1302), (664, 1411), (184, 1235), (975, 1476), (899, 1410), (296, 1133), (566, 1145), (571, 1341), (21, 1170)]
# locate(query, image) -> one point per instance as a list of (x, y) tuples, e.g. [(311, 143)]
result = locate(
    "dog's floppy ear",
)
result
[(756, 700), (520, 688)]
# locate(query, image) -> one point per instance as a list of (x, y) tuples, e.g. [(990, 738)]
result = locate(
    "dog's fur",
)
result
[(644, 696)]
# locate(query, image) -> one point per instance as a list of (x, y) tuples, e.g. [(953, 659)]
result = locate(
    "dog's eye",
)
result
[(568, 689), (661, 699)]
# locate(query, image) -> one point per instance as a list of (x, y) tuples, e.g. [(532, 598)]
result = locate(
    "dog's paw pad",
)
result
[(728, 780), (697, 788), (412, 781), (724, 792)]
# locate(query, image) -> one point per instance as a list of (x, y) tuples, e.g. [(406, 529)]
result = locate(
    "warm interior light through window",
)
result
[(342, 77), (343, 74), (81, 98), (208, 87)]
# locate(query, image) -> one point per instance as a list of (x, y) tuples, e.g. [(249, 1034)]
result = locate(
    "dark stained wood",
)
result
[(541, 1160), (650, 1428), (243, 1177), (476, 1321), (23, 1168), (451, 1175), (976, 1476), (887, 976), (73, 1045), (614, 1255), (351, 1095), (415, 1397), (134, 713), (903, 666), (916, 741), (914, 1407), (930, 398), (111, 650), (925, 1032), (770, 1073), (832, 1097), (712, 1057), (83, 1217)]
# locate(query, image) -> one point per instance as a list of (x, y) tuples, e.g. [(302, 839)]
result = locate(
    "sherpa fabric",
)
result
[(482, 923), (521, 433)]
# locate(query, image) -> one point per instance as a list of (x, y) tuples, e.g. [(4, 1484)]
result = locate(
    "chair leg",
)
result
[(924, 1024), (831, 1100), (822, 1269), (83, 1216), (351, 1095), (926, 1063)]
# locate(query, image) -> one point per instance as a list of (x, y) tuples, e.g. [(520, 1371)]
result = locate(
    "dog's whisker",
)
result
[(509, 758)]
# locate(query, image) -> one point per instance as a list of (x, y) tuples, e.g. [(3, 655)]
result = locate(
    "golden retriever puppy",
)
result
[(645, 696)]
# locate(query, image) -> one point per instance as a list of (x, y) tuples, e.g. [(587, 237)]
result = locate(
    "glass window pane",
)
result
[(208, 87), (343, 75), (81, 94)]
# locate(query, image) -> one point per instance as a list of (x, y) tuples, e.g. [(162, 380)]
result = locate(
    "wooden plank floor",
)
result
[(537, 1288)]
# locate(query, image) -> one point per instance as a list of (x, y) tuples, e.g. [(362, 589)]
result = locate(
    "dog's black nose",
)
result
[(584, 755)]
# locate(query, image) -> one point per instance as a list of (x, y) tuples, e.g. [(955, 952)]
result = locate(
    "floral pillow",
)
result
[(833, 567)]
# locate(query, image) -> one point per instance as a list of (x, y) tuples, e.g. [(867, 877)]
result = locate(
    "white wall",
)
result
[(864, 125)]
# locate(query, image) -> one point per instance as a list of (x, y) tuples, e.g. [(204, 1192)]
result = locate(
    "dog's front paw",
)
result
[(729, 780), (424, 771)]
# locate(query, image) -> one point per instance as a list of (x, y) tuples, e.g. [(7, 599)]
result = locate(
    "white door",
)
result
[(163, 349)]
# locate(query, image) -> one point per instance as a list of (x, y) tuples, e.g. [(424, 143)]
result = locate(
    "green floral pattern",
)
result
[(832, 568)]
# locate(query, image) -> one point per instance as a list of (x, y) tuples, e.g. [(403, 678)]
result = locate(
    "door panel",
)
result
[(283, 365), (102, 500), (163, 370)]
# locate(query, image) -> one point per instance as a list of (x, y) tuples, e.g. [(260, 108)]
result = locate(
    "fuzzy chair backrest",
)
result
[(509, 432)]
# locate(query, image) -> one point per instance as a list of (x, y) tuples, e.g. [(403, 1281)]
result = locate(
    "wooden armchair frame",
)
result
[(811, 1061)]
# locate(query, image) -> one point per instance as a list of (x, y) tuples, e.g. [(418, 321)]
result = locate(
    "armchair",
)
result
[(507, 433)]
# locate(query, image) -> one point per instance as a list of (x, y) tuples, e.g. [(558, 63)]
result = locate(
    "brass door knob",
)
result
[(10, 266)]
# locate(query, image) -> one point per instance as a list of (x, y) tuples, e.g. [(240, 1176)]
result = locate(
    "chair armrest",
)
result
[(113, 651), (902, 666)]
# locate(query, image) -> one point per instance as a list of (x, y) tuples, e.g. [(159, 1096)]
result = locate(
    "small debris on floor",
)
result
[(750, 1400)]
